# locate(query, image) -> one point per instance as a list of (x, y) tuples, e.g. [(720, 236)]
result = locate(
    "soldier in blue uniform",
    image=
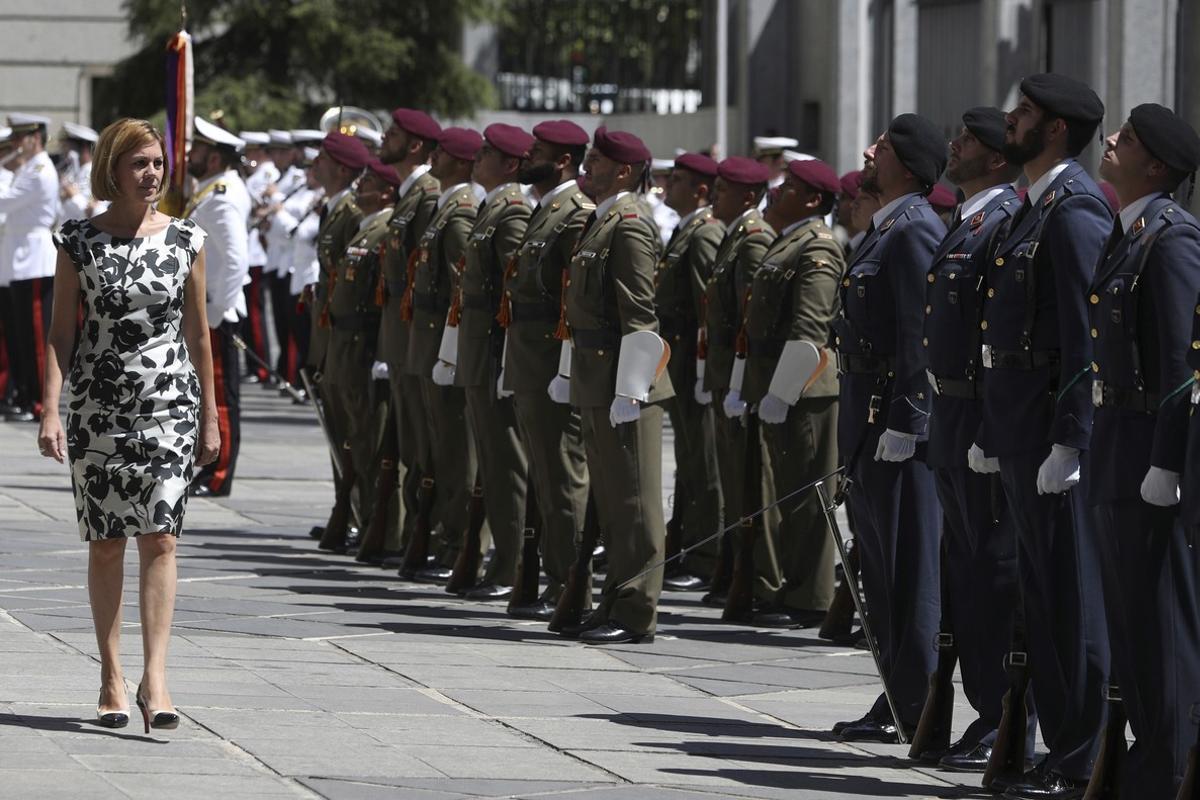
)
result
[(1037, 417), (884, 414), (1141, 317), (979, 570)]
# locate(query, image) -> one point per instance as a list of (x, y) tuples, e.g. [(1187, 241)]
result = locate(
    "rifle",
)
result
[(386, 484), (465, 574), (722, 574), (675, 523), (933, 729), (529, 568), (739, 602), (577, 592), (417, 552), (839, 618), (1008, 751), (343, 470), (859, 606), (1105, 783), (240, 344)]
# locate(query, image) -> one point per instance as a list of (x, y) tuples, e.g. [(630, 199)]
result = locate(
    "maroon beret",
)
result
[(384, 172), (746, 171), (622, 147), (697, 163), (462, 143), (941, 198), (508, 139), (561, 131), (349, 151), (817, 174), (418, 123), (850, 183)]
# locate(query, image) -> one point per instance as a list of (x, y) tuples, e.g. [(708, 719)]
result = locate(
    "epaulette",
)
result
[(219, 188)]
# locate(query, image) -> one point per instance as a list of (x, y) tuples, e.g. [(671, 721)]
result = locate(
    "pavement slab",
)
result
[(301, 674)]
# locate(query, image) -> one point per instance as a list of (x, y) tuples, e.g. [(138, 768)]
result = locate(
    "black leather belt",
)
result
[(964, 388), (594, 339), (429, 301), (1105, 396), (534, 312), (864, 365), (765, 348), (994, 358), (477, 302)]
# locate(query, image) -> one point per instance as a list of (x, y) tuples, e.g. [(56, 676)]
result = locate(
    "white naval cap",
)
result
[(792, 155), (27, 123), (81, 133), (215, 135), (369, 135), (661, 164), (307, 136), (255, 138), (279, 138), (771, 144), (5, 134), (310, 154)]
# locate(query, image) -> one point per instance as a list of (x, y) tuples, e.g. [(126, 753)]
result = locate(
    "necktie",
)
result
[(957, 219), (1026, 207), (1117, 235), (587, 224)]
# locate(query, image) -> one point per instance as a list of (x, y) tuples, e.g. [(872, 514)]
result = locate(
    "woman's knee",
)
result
[(156, 544)]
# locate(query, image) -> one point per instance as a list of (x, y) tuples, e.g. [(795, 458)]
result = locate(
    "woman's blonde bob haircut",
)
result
[(121, 137)]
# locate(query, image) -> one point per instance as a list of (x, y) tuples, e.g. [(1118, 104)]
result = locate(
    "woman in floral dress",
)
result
[(140, 406)]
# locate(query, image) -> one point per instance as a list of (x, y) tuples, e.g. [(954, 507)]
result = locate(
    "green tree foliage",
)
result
[(280, 63)]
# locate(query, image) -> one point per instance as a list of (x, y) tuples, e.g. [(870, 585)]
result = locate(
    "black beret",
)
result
[(1064, 97), (987, 124), (1167, 136), (919, 145)]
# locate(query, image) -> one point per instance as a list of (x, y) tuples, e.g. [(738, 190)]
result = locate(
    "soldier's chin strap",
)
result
[(685, 550)]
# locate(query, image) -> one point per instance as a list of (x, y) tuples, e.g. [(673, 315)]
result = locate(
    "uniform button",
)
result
[(1198, 309), (999, 262), (837, 340), (991, 292), (1095, 367), (599, 352), (925, 342), (928, 309), (983, 325), (1095, 333), (568, 281), (846, 282), (1196, 345), (931, 277), (1094, 299)]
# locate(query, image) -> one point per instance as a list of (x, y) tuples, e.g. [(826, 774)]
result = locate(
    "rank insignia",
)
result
[(1138, 226), (977, 220), (1048, 200), (886, 225)]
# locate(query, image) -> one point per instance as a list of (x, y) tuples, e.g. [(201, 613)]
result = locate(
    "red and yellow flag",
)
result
[(179, 118)]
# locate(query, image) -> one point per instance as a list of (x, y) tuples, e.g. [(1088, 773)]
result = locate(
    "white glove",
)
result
[(443, 374), (978, 462), (896, 446), (560, 389), (772, 410), (1060, 471), (501, 392), (734, 406), (379, 371), (1160, 487), (703, 396), (624, 409)]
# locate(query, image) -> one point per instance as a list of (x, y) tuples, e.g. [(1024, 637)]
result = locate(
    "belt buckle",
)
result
[(985, 355), (873, 407), (1097, 393), (943, 640), (933, 381), (1112, 693), (1017, 658)]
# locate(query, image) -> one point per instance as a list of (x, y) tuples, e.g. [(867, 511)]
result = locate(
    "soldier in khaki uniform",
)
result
[(741, 183), (407, 145), (425, 303), (679, 282), (548, 424), (338, 164), (498, 231), (794, 298), (354, 334), (609, 300)]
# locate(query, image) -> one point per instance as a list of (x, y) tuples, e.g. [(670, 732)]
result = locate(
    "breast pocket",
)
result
[(1112, 330), (865, 295), (772, 284)]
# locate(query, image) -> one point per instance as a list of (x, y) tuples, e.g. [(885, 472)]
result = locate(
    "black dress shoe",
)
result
[(316, 531), (393, 562), (683, 582), (540, 610), (773, 618), (435, 574), (573, 630), (838, 727), (870, 731), (489, 591), (974, 760), (1046, 786), (609, 633), (715, 599), (200, 490)]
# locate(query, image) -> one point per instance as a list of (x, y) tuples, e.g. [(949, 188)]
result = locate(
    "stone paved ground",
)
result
[(300, 674)]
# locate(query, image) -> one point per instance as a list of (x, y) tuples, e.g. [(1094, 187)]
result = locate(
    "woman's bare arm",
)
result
[(195, 334)]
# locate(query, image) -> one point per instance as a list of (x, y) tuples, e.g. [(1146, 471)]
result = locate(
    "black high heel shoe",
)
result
[(162, 720), (111, 719)]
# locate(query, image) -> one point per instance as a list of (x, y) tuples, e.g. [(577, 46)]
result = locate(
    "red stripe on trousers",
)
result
[(39, 344), (221, 470)]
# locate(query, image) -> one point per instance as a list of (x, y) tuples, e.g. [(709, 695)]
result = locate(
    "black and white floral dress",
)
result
[(132, 397)]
